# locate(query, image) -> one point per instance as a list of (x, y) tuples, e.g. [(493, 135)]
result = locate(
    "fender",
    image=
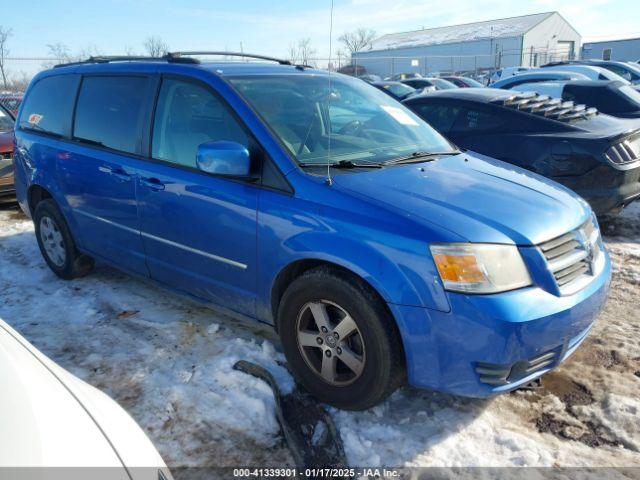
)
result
[(399, 276)]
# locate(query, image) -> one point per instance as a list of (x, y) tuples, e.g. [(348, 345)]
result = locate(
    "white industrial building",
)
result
[(530, 40)]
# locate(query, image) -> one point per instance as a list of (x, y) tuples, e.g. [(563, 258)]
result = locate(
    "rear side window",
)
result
[(440, 117), (110, 112), (472, 120), (49, 105), (188, 115)]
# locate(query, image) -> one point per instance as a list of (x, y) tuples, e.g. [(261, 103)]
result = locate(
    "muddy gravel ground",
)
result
[(168, 362)]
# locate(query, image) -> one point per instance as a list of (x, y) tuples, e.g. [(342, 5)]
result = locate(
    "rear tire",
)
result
[(56, 243), (340, 340)]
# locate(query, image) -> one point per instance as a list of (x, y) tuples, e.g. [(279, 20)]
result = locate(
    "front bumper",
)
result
[(451, 351)]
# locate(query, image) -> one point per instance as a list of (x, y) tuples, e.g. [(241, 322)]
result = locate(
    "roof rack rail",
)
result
[(127, 58), (178, 55)]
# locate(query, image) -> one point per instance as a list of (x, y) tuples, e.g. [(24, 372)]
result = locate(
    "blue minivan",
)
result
[(316, 203)]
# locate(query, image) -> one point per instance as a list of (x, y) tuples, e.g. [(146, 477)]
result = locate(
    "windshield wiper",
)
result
[(343, 164), (350, 164), (417, 157)]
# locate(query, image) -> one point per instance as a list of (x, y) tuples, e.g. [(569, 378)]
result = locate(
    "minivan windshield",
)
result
[(356, 121)]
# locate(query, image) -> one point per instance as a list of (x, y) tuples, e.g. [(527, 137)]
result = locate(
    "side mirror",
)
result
[(224, 158)]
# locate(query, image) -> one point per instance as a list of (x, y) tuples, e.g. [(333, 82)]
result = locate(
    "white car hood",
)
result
[(41, 422), (49, 418)]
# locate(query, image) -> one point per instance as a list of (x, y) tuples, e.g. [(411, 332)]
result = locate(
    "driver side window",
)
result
[(186, 116)]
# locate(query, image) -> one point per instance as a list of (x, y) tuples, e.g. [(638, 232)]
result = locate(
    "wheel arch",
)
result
[(298, 267), (35, 195)]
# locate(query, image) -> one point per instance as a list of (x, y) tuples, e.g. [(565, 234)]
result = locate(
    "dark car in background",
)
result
[(11, 101), (611, 97), (6, 153), (353, 70), (397, 90), (429, 82), (463, 82), (596, 155)]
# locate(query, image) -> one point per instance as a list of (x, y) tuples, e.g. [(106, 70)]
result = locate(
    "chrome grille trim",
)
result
[(574, 258)]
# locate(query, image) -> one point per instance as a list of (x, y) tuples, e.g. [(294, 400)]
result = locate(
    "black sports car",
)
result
[(596, 155)]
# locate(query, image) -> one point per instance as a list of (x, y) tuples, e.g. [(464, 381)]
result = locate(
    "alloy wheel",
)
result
[(330, 342), (52, 241)]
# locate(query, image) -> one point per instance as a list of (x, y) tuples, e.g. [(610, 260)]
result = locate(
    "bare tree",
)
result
[(155, 46), (5, 33), (60, 52), (293, 53), (306, 51), (130, 51), (342, 57), (20, 81), (88, 51), (358, 39)]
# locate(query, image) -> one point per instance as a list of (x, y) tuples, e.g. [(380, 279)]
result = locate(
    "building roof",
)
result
[(610, 40), (505, 27)]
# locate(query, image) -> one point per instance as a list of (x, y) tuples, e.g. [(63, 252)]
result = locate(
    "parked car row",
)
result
[(6, 153), (558, 121)]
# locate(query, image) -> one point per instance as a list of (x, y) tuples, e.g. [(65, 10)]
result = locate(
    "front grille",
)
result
[(572, 257), (494, 374), (6, 155), (626, 151)]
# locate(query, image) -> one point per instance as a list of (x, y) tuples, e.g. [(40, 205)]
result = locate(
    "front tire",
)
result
[(340, 340), (56, 243)]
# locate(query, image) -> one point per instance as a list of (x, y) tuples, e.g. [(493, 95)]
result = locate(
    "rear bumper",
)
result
[(488, 344), (605, 188)]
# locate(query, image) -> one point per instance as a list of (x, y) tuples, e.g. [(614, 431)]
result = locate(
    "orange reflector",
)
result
[(458, 268)]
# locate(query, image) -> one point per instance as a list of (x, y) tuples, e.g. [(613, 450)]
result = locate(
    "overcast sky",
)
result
[(268, 27)]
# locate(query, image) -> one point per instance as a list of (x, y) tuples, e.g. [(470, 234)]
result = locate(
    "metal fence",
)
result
[(473, 65), (20, 69)]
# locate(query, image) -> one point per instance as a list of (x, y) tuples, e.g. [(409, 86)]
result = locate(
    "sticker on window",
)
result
[(34, 118), (400, 115)]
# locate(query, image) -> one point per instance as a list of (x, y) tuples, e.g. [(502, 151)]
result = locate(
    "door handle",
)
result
[(152, 183), (117, 172)]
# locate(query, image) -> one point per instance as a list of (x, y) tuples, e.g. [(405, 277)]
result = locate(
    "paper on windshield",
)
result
[(400, 115)]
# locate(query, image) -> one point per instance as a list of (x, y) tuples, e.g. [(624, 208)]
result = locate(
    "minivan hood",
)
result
[(476, 197)]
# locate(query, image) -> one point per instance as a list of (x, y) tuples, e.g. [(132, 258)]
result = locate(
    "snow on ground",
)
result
[(168, 362)]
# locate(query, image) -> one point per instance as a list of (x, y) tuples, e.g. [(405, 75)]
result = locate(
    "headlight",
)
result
[(480, 268)]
